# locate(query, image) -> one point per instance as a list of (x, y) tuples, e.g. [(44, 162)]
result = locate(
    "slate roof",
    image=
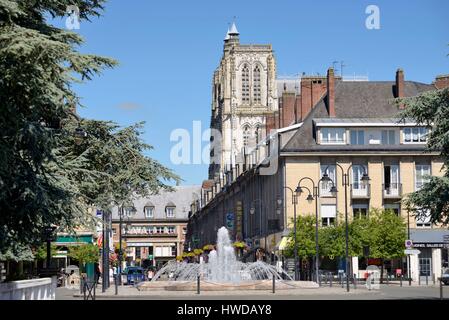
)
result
[(181, 198), (356, 99)]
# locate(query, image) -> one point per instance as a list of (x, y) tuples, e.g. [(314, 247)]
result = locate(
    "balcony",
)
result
[(392, 190), (360, 190)]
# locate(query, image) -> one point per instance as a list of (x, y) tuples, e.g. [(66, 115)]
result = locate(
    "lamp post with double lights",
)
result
[(345, 183), (314, 196), (294, 202)]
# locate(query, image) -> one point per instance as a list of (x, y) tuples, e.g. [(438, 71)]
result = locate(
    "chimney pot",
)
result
[(331, 92)]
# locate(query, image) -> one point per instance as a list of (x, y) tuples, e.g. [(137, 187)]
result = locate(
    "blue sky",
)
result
[(168, 51)]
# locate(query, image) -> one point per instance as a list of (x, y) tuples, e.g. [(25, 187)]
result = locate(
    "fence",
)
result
[(34, 289)]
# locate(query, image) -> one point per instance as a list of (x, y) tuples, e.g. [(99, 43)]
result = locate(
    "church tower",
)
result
[(244, 94)]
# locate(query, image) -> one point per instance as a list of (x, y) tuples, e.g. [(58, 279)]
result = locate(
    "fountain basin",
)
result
[(225, 286)]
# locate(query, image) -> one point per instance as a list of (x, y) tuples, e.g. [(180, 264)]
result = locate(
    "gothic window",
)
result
[(257, 93), (245, 84), (245, 136)]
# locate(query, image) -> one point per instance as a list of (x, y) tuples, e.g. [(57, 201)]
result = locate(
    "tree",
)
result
[(431, 109), (85, 253), (41, 251), (388, 235), (45, 176), (305, 237)]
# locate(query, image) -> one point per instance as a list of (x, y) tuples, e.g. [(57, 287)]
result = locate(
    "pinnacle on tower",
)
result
[(233, 30)]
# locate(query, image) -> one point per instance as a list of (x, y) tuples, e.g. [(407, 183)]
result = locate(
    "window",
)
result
[(388, 137), (257, 92), (171, 230), (357, 137), (421, 173), (257, 134), (328, 214), (245, 85), (170, 211), (425, 266), (333, 135), (173, 251), (129, 211), (391, 180), (395, 207), (423, 219), (326, 186), (184, 230), (149, 212), (357, 174), (415, 135), (245, 136), (360, 211)]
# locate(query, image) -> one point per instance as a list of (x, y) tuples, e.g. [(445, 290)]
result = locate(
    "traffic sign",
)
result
[(412, 251), (408, 244)]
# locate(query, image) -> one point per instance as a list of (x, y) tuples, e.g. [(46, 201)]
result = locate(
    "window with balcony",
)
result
[(422, 173), (326, 186), (391, 180), (359, 188), (415, 135), (333, 135), (328, 214), (357, 137)]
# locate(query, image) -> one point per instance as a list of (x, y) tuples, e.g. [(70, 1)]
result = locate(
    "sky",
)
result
[(168, 51)]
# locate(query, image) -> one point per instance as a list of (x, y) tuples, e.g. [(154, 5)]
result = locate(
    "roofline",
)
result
[(309, 153)]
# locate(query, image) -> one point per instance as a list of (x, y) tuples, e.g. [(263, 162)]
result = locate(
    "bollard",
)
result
[(400, 279), (116, 283), (198, 284), (331, 278), (427, 279), (274, 283), (419, 280), (355, 281), (410, 281), (388, 279), (433, 278), (441, 288), (84, 289)]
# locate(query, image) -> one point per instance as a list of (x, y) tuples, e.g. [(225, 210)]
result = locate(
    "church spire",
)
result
[(233, 31)]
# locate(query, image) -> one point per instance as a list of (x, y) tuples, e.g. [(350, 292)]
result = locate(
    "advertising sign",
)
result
[(239, 222), (230, 220)]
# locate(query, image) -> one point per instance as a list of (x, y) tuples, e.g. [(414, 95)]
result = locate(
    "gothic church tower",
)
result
[(244, 93)]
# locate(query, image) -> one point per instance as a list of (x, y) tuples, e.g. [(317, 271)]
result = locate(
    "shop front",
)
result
[(433, 255)]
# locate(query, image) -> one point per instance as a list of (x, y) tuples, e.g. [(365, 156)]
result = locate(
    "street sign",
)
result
[(412, 251), (408, 244)]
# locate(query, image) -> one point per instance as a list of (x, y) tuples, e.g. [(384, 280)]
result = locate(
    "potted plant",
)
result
[(208, 248), (239, 247)]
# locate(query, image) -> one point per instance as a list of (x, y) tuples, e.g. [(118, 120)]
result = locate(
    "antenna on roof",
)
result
[(341, 68)]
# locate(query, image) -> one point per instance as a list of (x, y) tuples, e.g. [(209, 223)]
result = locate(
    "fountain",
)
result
[(222, 272)]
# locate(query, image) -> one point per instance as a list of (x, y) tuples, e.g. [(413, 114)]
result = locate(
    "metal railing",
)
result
[(392, 190), (360, 190)]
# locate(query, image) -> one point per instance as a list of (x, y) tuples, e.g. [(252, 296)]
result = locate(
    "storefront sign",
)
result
[(230, 220), (429, 245)]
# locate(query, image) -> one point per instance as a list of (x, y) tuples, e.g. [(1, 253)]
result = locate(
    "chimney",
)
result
[(331, 92), (399, 83), (442, 81), (399, 89)]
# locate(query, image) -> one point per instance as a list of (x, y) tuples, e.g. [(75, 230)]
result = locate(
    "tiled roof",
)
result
[(370, 100)]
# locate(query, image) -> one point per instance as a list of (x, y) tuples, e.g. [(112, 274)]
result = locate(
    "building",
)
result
[(328, 125), (244, 93), (154, 228)]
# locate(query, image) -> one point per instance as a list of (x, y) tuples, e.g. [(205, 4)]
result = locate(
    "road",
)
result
[(324, 293)]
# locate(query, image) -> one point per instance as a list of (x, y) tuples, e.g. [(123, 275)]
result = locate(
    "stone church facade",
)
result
[(244, 94)]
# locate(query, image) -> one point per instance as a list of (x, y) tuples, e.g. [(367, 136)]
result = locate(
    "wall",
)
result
[(35, 289)]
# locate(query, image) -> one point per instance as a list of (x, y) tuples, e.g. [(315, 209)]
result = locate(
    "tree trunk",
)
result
[(382, 271)]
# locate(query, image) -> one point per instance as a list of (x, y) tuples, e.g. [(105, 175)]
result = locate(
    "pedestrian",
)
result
[(97, 273), (150, 274)]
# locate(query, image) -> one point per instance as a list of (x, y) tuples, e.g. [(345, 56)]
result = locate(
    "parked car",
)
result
[(134, 275), (445, 276)]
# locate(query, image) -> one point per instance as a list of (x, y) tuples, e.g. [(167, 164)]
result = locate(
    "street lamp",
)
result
[(345, 183), (294, 202), (252, 211)]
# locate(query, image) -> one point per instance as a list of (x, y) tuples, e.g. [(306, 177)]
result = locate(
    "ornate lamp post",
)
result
[(345, 183)]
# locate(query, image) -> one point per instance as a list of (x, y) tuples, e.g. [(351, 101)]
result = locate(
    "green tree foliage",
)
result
[(41, 251), (305, 237), (383, 231), (85, 253), (431, 109), (45, 178)]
